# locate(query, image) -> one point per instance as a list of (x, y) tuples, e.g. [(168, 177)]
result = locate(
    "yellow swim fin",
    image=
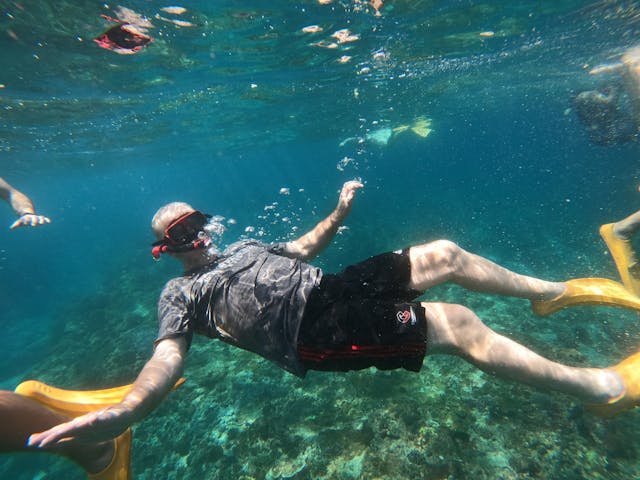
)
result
[(589, 291), (400, 129), (629, 371), (74, 403), (622, 253), (422, 127), (120, 466)]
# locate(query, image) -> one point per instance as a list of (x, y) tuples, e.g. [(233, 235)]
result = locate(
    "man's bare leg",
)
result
[(21, 416), (625, 228), (456, 330), (444, 261), (617, 236)]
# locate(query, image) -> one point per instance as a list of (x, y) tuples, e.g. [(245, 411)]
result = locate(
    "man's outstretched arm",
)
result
[(313, 242), (151, 387), (22, 205)]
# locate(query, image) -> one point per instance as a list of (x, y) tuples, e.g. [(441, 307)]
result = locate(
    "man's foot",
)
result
[(588, 291), (623, 255), (629, 371)]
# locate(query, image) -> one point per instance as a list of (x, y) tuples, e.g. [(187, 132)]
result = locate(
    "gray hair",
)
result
[(167, 214)]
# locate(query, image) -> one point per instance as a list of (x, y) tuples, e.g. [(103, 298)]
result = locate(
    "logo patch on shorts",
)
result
[(403, 316)]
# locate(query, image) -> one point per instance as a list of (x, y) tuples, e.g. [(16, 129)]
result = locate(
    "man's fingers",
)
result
[(31, 220), (349, 190), (62, 433), (54, 435), (40, 220), (353, 184)]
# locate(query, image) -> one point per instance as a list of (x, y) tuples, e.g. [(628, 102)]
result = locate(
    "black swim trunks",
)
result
[(364, 317)]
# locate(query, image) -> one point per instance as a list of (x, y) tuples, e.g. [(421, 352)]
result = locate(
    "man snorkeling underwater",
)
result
[(265, 298)]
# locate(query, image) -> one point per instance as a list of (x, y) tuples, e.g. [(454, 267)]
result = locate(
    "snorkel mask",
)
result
[(124, 38), (183, 235)]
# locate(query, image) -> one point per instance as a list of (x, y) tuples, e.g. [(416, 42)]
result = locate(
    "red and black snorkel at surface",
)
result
[(183, 235), (123, 38)]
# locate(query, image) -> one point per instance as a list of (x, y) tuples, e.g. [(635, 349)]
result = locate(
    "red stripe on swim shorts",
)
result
[(361, 351)]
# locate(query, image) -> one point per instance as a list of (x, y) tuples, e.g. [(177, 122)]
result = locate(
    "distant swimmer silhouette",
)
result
[(611, 114), (605, 120), (266, 298), (22, 205)]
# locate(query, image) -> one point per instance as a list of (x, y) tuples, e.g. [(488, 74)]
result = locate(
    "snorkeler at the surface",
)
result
[(22, 205), (611, 114), (266, 299), (129, 35)]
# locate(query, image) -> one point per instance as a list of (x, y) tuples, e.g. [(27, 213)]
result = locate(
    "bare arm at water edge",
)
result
[(22, 205), (151, 387), (313, 242)]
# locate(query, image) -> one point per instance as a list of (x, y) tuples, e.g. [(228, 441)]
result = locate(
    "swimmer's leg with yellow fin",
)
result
[(629, 371), (617, 236), (600, 291), (589, 291), (74, 403)]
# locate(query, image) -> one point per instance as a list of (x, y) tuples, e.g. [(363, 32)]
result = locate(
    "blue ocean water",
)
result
[(225, 114)]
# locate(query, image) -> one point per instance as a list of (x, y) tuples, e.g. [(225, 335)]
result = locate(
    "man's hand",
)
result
[(97, 426), (314, 241), (30, 219), (159, 375), (347, 194)]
